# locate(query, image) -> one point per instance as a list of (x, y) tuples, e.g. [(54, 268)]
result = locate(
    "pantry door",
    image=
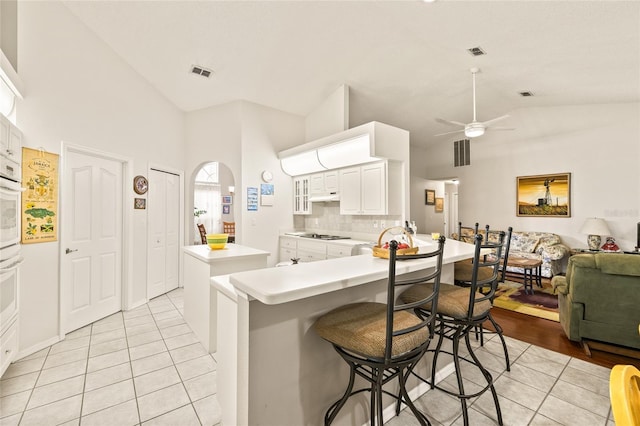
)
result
[(91, 237), (163, 249)]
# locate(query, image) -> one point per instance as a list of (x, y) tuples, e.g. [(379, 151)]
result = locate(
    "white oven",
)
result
[(10, 260), (9, 212)]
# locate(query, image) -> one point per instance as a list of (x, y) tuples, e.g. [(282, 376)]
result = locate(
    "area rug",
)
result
[(543, 303)]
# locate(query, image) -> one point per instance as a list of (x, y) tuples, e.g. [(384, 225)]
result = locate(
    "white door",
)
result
[(164, 225), (91, 265)]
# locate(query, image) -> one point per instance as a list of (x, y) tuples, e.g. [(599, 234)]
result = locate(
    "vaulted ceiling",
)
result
[(406, 62)]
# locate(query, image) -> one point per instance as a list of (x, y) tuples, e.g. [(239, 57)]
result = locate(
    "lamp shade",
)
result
[(595, 226)]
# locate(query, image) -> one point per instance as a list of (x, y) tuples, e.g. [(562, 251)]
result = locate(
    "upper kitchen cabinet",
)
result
[(10, 140), (371, 189), (301, 192), (325, 186)]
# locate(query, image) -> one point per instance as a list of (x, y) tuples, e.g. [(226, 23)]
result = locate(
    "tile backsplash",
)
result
[(326, 219)]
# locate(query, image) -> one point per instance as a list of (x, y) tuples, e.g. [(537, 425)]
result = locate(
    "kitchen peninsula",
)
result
[(272, 368), (200, 263)]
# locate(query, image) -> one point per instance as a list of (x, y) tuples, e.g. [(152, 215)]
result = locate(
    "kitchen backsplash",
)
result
[(326, 219)]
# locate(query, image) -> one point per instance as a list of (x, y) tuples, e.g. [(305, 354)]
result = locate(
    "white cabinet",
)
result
[(371, 189), (337, 250), (324, 183), (10, 140), (287, 249), (311, 251), (308, 250), (301, 192)]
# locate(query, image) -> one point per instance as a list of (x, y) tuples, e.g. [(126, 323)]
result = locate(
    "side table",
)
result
[(532, 271)]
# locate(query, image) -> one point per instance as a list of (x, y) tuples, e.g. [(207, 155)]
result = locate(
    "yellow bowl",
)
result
[(217, 241)]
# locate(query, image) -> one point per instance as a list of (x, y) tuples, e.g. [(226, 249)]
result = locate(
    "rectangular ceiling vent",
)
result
[(461, 153), (204, 72), (476, 51), (525, 94)]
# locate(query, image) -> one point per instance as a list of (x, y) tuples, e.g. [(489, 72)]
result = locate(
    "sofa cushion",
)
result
[(523, 243)]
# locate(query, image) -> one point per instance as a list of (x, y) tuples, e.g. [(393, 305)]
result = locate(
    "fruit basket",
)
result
[(380, 251)]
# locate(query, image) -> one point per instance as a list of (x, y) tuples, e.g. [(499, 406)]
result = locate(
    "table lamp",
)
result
[(594, 227)]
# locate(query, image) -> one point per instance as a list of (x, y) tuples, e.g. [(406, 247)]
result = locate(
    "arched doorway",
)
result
[(213, 198)]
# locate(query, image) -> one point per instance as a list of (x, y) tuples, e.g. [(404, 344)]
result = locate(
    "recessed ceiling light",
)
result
[(476, 51), (525, 94), (199, 70)]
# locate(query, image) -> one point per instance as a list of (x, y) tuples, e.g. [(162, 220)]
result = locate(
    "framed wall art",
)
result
[(429, 197), (227, 199), (544, 195), (439, 205), (252, 198), (40, 197), (139, 203)]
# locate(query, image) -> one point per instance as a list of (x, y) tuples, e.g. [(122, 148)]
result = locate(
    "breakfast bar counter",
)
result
[(272, 367), (200, 263)]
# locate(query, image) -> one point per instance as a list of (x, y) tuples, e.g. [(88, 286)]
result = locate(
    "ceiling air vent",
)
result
[(205, 72), (525, 94), (461, 153), (476, 51)]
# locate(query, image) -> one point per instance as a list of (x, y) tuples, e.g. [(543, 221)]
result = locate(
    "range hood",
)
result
[(324, 198), (369, 142)]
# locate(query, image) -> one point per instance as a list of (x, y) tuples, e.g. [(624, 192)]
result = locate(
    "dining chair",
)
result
[(230, 229), (203, 233)]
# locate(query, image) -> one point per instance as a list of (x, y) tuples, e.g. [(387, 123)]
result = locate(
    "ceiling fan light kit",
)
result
[(475, 128)]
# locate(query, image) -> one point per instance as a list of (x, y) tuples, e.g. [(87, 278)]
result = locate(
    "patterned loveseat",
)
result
[(544, 246)]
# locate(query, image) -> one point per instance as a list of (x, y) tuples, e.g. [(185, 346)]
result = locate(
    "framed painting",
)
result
[(544, 195), (439, 205), (226, 209), (227, 199), (429, 197)]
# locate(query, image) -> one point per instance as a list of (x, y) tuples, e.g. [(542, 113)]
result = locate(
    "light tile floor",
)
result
[(543, 388), (145, 366)]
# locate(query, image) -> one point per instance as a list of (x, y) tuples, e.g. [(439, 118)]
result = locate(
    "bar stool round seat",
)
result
[(453, 301), (463, 270), (361, 328)]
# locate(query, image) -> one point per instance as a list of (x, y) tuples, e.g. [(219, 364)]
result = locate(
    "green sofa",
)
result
[(599, 298)]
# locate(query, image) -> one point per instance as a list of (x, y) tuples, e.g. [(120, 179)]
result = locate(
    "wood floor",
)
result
[(549, 334)]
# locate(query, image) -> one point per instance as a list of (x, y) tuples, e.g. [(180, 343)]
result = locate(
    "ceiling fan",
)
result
[(475, 128)]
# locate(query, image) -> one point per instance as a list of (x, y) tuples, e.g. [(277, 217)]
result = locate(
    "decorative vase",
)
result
[(594, 242)]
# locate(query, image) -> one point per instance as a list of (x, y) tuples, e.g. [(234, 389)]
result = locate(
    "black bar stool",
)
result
[(381, 342), (463, 274), (459, 311)]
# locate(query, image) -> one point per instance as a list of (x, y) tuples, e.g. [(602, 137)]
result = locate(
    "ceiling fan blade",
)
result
[(448, 133), (500, 128), (456, 123), (493, 120)]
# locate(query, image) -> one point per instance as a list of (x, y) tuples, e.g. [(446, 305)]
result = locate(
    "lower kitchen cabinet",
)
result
[(308, 250)]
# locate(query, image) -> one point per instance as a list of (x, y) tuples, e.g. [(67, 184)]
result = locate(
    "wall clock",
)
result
[(267, 176), (140, 184)]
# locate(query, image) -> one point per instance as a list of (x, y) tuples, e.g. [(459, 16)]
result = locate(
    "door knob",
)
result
[(68, 250)]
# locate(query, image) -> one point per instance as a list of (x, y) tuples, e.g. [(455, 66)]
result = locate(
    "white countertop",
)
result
[(285, 284), (204, 253)]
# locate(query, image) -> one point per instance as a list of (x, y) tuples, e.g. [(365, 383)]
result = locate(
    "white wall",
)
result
[(247, 137), (79, 91), (599, 146)]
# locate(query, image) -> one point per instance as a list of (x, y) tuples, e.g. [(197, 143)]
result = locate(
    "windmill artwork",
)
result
[(544, 195)]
